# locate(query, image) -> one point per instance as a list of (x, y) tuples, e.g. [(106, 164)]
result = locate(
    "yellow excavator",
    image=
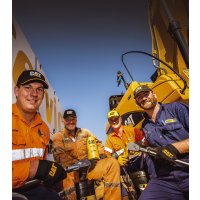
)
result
[(169, 27)]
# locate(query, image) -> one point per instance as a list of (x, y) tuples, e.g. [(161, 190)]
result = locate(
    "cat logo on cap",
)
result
[(69, 112), (34, 73)]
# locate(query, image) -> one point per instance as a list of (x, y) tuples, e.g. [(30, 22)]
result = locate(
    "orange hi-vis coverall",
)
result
[(29, 142), (68, 149), (116, 144)]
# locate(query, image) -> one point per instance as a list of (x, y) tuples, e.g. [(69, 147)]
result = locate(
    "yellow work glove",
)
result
[(134, 153), (122, 159)]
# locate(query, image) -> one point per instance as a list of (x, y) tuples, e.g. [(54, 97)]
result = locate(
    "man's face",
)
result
[(29, 96), (115, 122), (70, 123), (146, 100)]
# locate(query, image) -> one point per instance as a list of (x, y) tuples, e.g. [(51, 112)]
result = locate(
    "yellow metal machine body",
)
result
[(168, 21)]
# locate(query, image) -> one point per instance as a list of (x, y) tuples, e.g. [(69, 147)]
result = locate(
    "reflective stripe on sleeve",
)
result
[(108, 149), (120, 152), (20, 154)]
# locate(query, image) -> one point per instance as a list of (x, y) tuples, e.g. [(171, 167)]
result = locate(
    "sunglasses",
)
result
[(70, 119)]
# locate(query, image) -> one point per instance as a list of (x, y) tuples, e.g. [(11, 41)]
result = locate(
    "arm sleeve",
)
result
[(139, 135), (46, 138), (108, 148), (182, 112), (20, 173)]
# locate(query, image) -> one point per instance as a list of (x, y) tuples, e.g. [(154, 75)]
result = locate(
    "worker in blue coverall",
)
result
[(166, 128)]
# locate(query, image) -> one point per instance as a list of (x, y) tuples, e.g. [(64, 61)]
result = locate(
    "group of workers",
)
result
[(165, 129)]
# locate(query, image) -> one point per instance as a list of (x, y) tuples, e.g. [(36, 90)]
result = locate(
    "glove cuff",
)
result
[(42, 169), (173, 149), (102, 156)]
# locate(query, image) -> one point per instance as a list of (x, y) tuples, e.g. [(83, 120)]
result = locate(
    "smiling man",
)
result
[(166, 128), (70, 145), (30, 136), (116, 143)]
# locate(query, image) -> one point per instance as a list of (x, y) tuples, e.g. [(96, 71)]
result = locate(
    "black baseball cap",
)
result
[(141, 88), (69, 113), (30, 76)]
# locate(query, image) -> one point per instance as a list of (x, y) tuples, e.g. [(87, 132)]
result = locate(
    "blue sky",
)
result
[(80, 43)]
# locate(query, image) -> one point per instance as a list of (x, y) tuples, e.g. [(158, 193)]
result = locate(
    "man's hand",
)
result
[(102, 156), (122, 159), (50, 172), (168, 153)]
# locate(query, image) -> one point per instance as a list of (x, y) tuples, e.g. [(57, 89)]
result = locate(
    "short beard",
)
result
[(72, 132), (153, 105)]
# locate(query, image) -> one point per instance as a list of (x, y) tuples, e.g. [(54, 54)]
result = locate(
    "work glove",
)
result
[(93, 163), (132, 153), (50, 172), (122, 159), (102, 156), (168, 153)]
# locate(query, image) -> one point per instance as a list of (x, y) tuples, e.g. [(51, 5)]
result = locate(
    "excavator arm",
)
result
[(169, 27)]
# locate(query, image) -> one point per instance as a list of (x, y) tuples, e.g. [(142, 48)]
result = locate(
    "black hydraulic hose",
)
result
[(174, 28), (122, 58), (142, 52)]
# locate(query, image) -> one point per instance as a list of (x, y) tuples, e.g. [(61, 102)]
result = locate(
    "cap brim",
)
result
[(70, 116), (142, 90), (116, 115), (36, 80)]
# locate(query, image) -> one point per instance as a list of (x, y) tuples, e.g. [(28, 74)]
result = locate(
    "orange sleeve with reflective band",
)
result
[(108, 147), (28, 143), (116, 144)]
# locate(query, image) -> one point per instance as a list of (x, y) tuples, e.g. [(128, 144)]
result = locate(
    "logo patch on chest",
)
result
[(167, 121)]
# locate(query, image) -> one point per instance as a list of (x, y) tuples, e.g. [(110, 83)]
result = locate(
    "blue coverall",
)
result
[(172, 180)]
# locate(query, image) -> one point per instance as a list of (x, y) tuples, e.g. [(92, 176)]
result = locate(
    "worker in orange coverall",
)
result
[(116, 143), (30, 137), (70, 145)]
